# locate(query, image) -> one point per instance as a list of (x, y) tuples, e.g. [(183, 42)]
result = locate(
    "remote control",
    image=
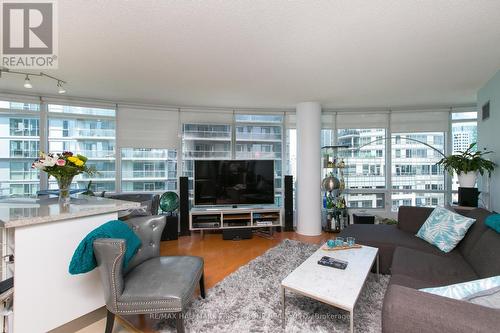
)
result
[(332, 262)]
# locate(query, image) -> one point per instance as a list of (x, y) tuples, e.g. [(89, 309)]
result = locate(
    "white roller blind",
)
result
[(362, 120), (472, 108), (141, 127), (420, 121), (290, 120), (328, 120), (271, 112), (206, 116), (19, 98), (78, 103)]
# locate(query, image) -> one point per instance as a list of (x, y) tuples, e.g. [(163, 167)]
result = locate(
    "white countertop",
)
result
[(20, 212)]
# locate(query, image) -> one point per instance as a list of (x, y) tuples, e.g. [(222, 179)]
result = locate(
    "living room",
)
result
[(250, 166)]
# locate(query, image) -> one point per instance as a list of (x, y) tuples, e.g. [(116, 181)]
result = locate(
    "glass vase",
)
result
[(64, 184)]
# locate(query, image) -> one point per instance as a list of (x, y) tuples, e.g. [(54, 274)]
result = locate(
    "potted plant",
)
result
[(467, 165)]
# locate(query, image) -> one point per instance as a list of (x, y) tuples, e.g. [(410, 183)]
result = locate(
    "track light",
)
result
[(27, 83), (61, 88)]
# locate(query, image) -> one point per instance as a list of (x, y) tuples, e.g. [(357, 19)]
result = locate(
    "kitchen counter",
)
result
[(42, 236), (19, 212)]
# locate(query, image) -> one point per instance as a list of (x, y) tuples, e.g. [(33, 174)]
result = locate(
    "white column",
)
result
[(308, 168)]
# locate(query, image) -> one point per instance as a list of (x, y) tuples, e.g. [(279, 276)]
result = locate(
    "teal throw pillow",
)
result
[(444, 229), (493, 221)]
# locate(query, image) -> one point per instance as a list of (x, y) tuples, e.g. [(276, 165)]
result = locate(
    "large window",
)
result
[(204, 141), (148, 170), (260, 137), (463, 134), (365, 172), (251, 137), (19, 146), (86, 131), (416, 179)]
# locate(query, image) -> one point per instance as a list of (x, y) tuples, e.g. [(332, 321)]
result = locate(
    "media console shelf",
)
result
[(233, 218)]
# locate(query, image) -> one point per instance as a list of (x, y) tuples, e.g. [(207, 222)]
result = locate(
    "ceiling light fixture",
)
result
[(27, 82), (61, 88)]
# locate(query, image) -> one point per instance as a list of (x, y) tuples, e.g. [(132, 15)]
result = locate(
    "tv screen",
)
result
[(234, 182)]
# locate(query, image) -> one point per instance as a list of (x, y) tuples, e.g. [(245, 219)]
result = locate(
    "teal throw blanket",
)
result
[(493, 221), (83, 260)]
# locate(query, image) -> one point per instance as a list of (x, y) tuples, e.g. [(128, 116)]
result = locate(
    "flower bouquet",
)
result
[(63, 167)]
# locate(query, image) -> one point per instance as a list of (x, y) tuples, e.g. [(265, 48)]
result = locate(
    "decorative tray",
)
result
[(339, 248)]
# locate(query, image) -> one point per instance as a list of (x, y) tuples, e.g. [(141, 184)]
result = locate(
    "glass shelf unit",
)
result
[(334, 166)]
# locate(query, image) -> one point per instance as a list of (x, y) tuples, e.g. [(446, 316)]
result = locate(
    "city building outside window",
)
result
[(365, 157), (204, 142), (463, 134), (416, 179), (145, 170), (86, 131), (261, 137), (19, 146)]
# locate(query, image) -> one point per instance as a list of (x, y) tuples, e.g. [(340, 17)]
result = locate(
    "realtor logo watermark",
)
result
[(29, 34)]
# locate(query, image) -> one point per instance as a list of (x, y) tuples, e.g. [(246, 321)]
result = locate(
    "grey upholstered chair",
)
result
[(150, 283)]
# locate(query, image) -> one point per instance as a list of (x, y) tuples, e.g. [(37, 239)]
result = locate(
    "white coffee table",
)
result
[(336, 287)]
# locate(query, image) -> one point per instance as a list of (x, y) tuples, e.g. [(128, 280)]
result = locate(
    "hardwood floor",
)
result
[(221, 259)]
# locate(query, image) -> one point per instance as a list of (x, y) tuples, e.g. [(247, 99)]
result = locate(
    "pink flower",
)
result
[(61, 162)]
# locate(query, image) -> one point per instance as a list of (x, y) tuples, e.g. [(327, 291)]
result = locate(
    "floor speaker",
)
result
[(468, 196), (288, 203), (184, 206), (171, 230)]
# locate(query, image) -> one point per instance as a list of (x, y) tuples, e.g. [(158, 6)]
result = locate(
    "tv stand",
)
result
[(201, 219)]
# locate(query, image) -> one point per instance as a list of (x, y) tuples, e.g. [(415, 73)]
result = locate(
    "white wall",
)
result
[(488, 132)]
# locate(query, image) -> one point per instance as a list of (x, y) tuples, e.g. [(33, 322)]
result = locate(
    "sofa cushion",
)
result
[(407, 310), (445, 229), (386, 238), (466, 289), (436, 269), (475, 231), (410, 218), (387, 234), (489, 298), (484, 257), (411, 282)]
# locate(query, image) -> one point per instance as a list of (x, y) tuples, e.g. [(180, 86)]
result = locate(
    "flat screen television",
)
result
[(233, 182)]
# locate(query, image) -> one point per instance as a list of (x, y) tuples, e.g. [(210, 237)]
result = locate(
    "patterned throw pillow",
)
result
[(470, 291), (444, 229)]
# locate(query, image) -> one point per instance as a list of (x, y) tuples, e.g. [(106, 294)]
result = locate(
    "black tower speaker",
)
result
[(468, 196), (184, 206), (288, 203), (171, 230)]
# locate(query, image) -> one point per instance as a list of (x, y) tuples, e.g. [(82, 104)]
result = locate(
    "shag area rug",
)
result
[(248, 300)]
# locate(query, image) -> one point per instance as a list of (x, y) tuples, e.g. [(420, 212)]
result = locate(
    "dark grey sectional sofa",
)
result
[(413, 264)]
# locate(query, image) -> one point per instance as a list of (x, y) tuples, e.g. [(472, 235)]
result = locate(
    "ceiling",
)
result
[(275, 53)]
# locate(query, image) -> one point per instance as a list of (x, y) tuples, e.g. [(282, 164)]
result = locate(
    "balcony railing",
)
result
[(145, 174), (258, 136), (93, 133), (207, 135), (146, 154), (190, 154), (258, 154), (24, 175), (99, 175), (24, 153), (110, 154)]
